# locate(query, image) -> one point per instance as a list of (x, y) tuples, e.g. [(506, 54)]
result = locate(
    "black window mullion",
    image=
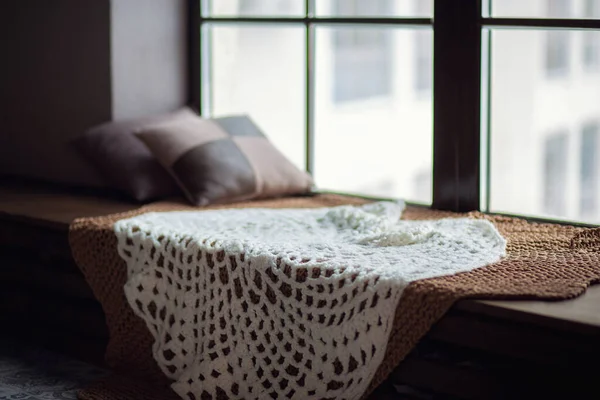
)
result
[(488, 124), (560, 23), (343, 20), (194, 55), (456, 105), (310, 86)]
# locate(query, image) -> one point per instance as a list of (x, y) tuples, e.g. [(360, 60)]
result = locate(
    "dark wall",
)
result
[(54, 83), (67, 65), (149, 56)]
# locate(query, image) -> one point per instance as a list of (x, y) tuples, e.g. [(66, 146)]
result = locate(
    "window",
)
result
[(591, 52), (558, 8), (259, 7), (362, 56), (333, 83), (398, 125), (591, 9), (589, 172), (423, 55), (555, 174), (527, 172), (422, 183), (317, 82), (256, 69), (254, 8), (423, 61), (249, 6), (557, 41), (591, 39), (530, 9)]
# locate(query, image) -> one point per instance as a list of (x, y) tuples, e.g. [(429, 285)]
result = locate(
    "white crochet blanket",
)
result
[(292, 303)]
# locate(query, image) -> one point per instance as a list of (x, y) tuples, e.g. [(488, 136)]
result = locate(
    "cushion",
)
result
[(125, 161), (223, 160)]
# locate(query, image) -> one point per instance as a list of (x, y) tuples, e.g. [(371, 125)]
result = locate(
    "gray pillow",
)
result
[(223, 160), (125, 161)]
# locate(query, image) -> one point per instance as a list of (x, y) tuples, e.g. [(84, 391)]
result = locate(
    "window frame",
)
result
[(459, 30)]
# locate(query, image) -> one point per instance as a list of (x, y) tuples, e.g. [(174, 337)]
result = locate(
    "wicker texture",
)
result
[(544, 261)]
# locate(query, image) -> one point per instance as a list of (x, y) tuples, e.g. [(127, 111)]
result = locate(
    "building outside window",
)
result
[(555, 173), (422, 184), (557, 41), (591, 39), (249, 6), (272, 7), (423, 79), (362, 56), (588, 172), (423, 60)]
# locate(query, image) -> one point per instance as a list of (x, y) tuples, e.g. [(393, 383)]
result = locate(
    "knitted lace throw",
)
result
[(290, 303)]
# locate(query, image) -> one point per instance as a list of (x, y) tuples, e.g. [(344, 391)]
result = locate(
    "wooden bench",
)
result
[(480, 349)]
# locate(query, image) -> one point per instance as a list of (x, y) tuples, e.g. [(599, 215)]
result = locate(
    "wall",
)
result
[(68, 65), (149, 56), (55, 82)]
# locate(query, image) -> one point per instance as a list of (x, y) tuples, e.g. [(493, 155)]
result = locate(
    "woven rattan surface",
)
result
[(544, 261)]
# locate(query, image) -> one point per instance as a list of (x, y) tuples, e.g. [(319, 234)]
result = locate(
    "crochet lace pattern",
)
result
[(289, 303)]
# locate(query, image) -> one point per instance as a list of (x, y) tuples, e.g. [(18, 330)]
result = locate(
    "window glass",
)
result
[(555, 173), (362, 63), (557, 53), (259, 70), (591, 50), (258, 8), (536, 122), (543, 8), (591, 39), (374, 8), (589, 172), (558, 8), (423, 43), (557, 41), (379, 140)]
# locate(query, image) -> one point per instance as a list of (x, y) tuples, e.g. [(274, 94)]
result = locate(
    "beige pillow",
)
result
[(223, 160)]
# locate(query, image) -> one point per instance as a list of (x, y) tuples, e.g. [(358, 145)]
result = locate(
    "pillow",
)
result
[(223, 160), (125, 161)]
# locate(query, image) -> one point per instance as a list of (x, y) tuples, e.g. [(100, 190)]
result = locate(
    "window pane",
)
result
[(263, 8), (375, 8), (374, 111), (260, 71), (557, 49), (591, 50), (585, 9), (543, 137), (589, 173), (555, 173)]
